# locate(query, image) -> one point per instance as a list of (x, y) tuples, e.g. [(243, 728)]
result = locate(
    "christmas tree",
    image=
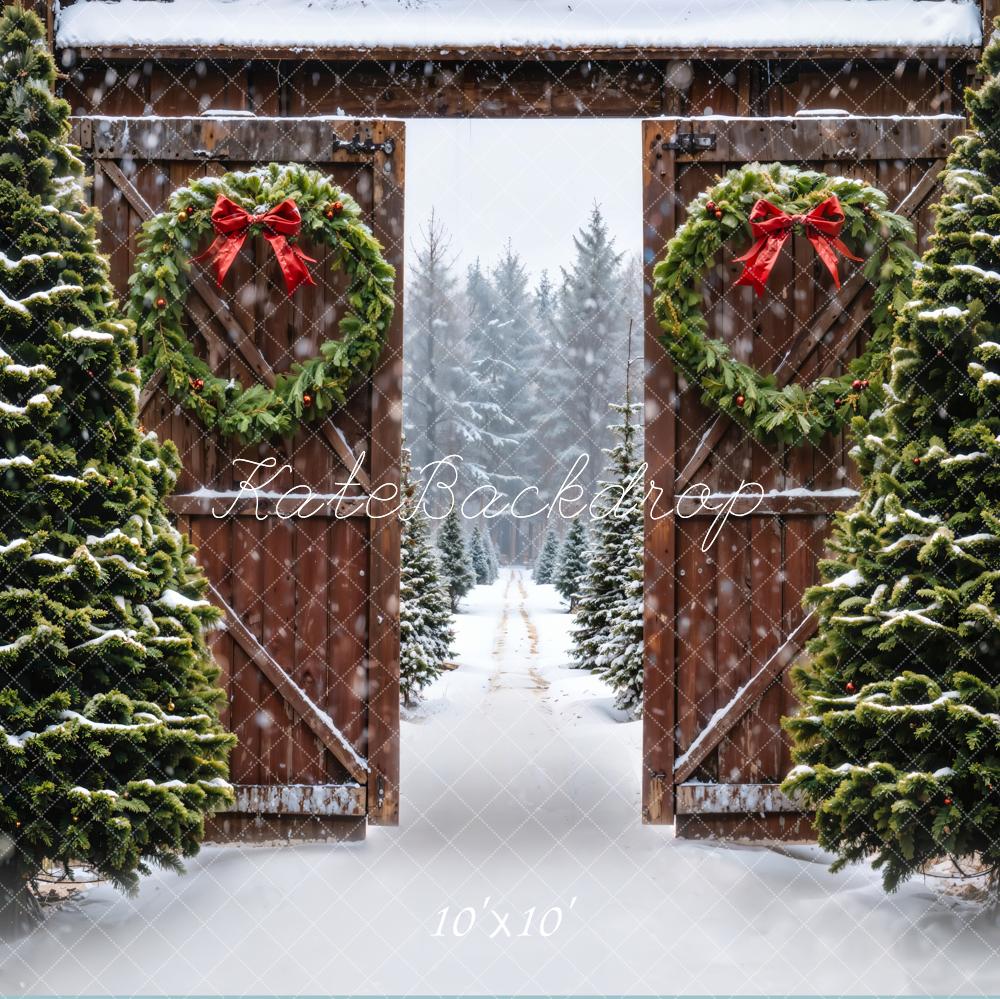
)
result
[(425, 628), (898, 740), (459, 574), (548, 557), (572, 568), (111, 751), (607, 634), (480, 557)]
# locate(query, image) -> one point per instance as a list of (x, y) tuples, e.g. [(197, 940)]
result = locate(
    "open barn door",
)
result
[(310, 648), (723, 626)]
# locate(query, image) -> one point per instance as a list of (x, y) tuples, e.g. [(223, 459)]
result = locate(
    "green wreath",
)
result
[(720, 215), (159, 286)]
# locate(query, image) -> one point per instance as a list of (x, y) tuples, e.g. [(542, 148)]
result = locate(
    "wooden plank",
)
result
[(243, 138), (835, 138), (810, 336), (744, 700), (317, 720), (780, 505), (386, 445), (231, 505), (732, 799), (658, 200), (299, 799)]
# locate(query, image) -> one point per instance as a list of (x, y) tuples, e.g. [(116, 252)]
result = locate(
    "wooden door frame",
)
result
[(667, 142)]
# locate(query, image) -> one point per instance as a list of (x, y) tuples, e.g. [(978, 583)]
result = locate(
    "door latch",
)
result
[(691, 142)]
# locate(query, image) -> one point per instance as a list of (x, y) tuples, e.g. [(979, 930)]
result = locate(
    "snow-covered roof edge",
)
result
[(449, 27)]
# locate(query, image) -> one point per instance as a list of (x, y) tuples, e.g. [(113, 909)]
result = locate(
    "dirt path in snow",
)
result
[(516, 655)]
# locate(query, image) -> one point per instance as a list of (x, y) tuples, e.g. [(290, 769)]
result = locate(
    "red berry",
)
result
[(307, 400), (916, 461), (849, 687), (197, 384), (711, 207), (740, 400), (865, 383), (837, 403), (947, 801), (857, 385), (161, 303)]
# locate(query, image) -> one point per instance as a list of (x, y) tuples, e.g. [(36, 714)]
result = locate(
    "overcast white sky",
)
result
[(531, 181)]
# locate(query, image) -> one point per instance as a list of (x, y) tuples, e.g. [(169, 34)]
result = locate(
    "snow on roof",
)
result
[(547, 24)]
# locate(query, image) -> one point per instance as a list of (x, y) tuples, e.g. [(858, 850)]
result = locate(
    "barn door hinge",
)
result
[(691, 142), (379, 792), (359, 145)]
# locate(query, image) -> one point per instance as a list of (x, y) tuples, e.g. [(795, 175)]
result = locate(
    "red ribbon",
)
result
[(232, 225), (770, 227)]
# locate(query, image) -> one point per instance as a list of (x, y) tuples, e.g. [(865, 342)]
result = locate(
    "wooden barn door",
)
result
[(722, 626), (310, 648)]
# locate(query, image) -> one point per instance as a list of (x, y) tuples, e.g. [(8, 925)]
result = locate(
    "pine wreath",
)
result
[(722, 215), (159, 286)]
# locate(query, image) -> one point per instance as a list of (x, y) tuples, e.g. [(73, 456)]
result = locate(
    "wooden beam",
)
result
[(299, 799), (238, 336), (238, 138), (659, 583), (248, 505), (733, 799), (450, 54), (318, 721), (806, 138), (383, 541), (796, 356), (746, 697)]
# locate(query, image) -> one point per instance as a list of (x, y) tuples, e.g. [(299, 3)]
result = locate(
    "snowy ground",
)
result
[(521, 791)]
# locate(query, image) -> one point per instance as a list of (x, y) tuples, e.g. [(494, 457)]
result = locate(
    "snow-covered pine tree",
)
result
[(584, 370), (111, 751), (548, 557), (572, 568), (898, 741), (480, 557), (443, 408), (459, 574), (425, 622), (491, 554), (607, 633)]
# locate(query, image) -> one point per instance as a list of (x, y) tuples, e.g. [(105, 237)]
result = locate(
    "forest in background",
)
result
[(516, 374)]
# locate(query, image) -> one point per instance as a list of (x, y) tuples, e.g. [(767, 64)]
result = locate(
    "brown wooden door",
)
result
[(310, 652), (722, 626)]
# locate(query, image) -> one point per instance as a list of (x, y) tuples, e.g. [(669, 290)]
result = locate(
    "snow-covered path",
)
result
[(520, 797)]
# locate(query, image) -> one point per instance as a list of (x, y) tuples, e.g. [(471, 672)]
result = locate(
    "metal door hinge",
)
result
[(691, 142), (379, 792)]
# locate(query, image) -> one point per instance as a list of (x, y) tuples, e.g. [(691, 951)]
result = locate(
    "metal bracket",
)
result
[(379, 792), (359, 145), (691, 142)]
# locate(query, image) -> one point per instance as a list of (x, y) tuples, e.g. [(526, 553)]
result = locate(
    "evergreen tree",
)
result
[(608, 633), (491, 555), (425, 622), (583, 372), (112, 753), (459, 574), (480, 557), (898, 743), (572, 568), (444, 414), (548, 557)]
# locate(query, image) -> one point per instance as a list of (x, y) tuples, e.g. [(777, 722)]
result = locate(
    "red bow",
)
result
[(770, 227), (232, 224)]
